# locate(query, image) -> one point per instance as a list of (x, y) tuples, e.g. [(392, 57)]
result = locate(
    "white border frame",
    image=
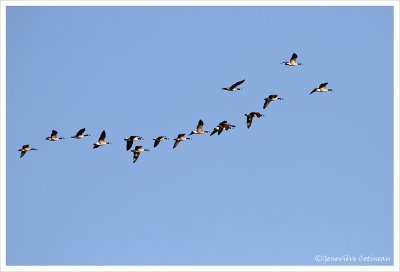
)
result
[(396, 253)]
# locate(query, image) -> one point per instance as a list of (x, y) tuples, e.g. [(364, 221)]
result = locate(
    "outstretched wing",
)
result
[(236, 84), (293, 58), (135, 156), (22, 153), (222, 123), (272, 96), (80, 132), (181, 135), (249, 120), (313, 91), (322, 85), (25, 146), (220, 129), (156, 142), (54, 133), (102, 136), (200, 126), (129, 145), (176, 143), (266, 103)]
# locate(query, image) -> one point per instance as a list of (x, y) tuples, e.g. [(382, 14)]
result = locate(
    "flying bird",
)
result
[(53, 137), (272, 97), (101, 140), (234, 86), (199, 129), (322, 88), (130, 140), (136, 152), (180, 138), (292, 61), (80, 135), (24, 149), (224, 125), (250, 117), (159, 139)]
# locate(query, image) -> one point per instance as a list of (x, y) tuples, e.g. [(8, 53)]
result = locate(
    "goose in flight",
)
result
[(53, 137), (101, 140), (199, 129), (250, 117), (24, 149), (130, 140), (272, 97), (180, 138), (224, 125), (80, 135), (159, 139), (322, 88), (292, 61), (136, 152), (234, 87)]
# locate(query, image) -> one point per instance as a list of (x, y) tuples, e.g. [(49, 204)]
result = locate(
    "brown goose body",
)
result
[(322, 88), (53, 137), (270, 98), (130, 140), (136, 152), (250, 117), (159, 139), (80, 135), (101, 140), (234, 87), (199, 128), (181, 137), (292, 61)]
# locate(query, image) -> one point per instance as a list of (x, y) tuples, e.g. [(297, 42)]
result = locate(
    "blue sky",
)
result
[(314, 176)]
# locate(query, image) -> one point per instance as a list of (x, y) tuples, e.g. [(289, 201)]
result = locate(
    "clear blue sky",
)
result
[(314, 176)]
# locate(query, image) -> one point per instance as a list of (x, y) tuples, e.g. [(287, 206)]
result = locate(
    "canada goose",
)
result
[(24, 149), (234, 86), (159, 139), (130, 140), (199, 129), (181, 137), (250, 117), (101, 141), (292, 61), (322, 88), (272, 97), (136, 152), (53, 136), (80, 135), (224, 125)]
